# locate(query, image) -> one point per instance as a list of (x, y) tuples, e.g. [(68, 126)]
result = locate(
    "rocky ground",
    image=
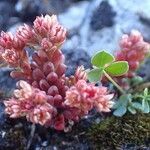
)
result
[(92, 25)]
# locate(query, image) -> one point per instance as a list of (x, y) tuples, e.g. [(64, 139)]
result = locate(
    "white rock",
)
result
[(74, 15), (127, 19)]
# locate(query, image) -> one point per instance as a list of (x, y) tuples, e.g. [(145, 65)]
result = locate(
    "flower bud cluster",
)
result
[(31, 103), (133, 50), (84, 96)]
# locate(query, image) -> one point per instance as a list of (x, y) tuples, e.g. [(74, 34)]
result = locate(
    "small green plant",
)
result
[(104, 64), (144, 100), (125, 104), (132, 103)]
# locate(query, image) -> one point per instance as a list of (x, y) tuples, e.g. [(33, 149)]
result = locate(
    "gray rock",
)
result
[(103, 16), (2, 116), (6, 82), (6, 10)]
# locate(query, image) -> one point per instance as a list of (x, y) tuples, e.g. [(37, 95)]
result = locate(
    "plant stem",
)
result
[(32, 132), (114, 83)]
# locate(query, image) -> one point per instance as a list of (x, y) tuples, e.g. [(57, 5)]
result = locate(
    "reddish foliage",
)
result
[(45, 95), (133, 50)]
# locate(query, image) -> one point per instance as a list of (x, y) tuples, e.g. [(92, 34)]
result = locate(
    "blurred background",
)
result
[(92, 24)]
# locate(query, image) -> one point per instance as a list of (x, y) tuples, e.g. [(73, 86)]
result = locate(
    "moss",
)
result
[(114, 133), (16, 139)]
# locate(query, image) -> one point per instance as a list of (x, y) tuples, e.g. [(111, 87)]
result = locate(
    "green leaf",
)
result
[(117, 68), (123, 101), (121, 105), (148, 98), (132, 110), (145, 92), (95, 75), (145, 106), (137, 105), (120, 111), (102, 58)]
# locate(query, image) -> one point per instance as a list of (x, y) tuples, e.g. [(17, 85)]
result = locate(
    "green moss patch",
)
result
[(115, 132)]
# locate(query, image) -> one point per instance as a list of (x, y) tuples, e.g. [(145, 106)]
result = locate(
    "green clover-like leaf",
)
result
[(102, 58), (120, 111), (117, 68), (95, 75)]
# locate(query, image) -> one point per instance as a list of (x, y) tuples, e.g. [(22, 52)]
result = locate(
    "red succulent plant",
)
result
[(133, 50), (45, 95)]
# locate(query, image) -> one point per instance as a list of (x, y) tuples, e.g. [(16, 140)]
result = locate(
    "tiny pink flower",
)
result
[(24, 91), (6, 40), (32, 103), (133, 50), (41, 114), (11, 57), (46, 44), (46, 26), (43, 24), (85, 96), (13, 108), (18, 44), (25, 33), (80, 74)]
